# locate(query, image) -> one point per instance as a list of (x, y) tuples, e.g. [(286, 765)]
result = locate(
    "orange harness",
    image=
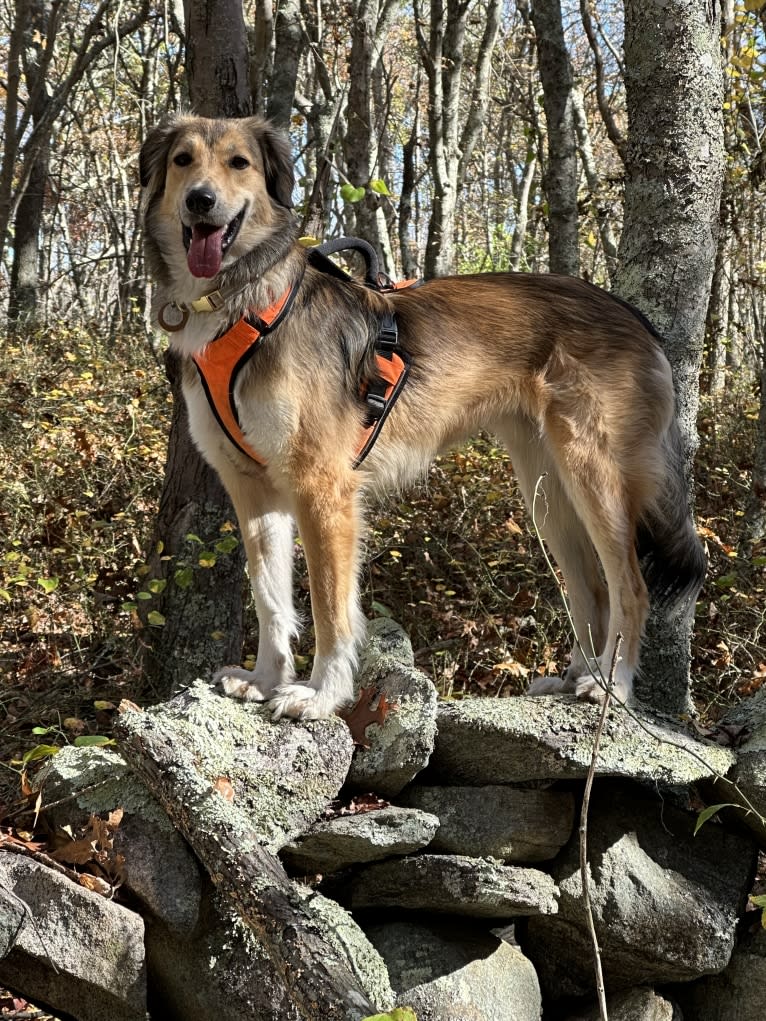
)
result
[(221, 361)]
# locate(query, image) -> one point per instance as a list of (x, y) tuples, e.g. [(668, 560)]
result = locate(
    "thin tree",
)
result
[(674, 163)]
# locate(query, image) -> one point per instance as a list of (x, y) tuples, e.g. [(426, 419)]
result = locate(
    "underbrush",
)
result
[(83, 429)]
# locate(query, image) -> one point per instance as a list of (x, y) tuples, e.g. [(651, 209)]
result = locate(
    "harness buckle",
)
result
[(388, 335)]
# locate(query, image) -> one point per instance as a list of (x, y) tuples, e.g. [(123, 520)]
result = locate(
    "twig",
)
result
[(584, 872)]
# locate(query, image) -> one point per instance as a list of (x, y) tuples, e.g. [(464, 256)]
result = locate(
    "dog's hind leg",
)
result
[(268, 536), (565, 535), (329, 524)]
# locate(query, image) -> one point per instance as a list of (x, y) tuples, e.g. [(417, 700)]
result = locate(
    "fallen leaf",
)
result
[(224, 787), (362, 715)]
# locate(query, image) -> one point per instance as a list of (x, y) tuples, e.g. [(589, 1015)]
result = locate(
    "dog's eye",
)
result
[(239, 163), (183, 159)]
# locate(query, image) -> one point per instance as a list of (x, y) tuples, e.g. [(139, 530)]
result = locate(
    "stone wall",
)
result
[(454, 889)]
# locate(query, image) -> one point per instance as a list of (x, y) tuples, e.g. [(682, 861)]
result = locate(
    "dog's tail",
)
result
[(673, 560)]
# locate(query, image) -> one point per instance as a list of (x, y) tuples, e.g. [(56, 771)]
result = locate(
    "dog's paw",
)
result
[(240, 683), (588, 689), (549, 686), (301, 702)]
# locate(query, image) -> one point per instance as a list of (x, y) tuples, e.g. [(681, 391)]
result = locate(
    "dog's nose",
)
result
[(200, 200)]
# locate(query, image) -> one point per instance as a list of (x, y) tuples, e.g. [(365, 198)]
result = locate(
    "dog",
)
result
[(570, 378)]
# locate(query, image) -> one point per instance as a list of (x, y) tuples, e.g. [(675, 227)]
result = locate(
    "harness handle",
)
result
[(373, 276)]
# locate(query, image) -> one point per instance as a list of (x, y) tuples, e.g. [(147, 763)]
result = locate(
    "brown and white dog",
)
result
[(570, 378)]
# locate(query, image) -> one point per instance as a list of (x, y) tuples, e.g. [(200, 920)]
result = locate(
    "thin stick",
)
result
[(584, 872)]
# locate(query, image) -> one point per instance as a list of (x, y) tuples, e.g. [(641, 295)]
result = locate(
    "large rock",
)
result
[(401, 747), (737, 993), (160, 869), (280, 774), (452, 884), (333, 844), (71, 949), (449, 972), (222, 970), (508, 740), (506, 823), (749, 775), (665, 902)]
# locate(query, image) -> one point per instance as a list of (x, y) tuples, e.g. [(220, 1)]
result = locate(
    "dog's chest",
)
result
[(267, 419)]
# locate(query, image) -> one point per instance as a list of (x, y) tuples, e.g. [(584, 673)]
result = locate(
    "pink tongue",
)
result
[(206, 250)]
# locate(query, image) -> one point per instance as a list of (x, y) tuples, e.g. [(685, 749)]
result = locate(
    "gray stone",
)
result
[(506, 823), (665, 902), (508, 740), (457, 971), (641, 1004), (737, 994), (749, 774), (479, 887), (160, 869), (219, 970), (95, 946), (282, 773), (402, 746), (333, 844)]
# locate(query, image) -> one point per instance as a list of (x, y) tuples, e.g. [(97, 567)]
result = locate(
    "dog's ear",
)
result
[(277, 161), (153, 157)]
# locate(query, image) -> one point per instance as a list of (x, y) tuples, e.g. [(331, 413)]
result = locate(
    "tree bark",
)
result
[(320, 982), (674, 162), (289, 44), (203, 625), (560, 178)]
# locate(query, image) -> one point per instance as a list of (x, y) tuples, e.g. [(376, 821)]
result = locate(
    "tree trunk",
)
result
[(674, 163), (560, 179), (288, 49), (203, 625)]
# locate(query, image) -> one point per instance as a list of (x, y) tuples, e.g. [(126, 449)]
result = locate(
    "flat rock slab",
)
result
[(665, 902), (734, 995), (96, 946), (279, 774), (510, 740), (453, 884), (335, 844), (401, 747), (506, 823), (454, 973)]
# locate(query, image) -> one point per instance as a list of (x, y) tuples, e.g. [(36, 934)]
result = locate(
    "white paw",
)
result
[(240, 683), (550, 686), (301, 702), (588, 689)]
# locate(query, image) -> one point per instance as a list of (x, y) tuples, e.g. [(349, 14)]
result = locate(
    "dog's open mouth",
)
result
[(206, 244)]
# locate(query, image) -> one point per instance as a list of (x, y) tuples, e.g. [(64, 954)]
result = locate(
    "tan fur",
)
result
[(571, 380)]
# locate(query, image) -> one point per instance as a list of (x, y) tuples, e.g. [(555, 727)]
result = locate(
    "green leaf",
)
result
[(207, 559), (726, 581), (40, 751), (157, 585), (40, 731), (48, 584), (89, 740), (184, 577), (128, 606), (191, 537), (708, 813), (379, 186), (155, 618), (143, 595), (352, 194), (227, 544), (381, 609), (5, 595)]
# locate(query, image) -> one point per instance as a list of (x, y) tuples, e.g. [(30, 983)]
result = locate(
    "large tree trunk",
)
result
[(560, 180), (203, 625), (674, 163)]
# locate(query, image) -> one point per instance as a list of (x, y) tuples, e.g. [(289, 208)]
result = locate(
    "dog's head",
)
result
[(214, 190)]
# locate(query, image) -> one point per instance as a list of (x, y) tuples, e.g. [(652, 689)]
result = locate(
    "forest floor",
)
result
[(83, 429)]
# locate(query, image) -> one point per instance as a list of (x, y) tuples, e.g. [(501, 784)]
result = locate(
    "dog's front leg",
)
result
[(269, 541), (328, 522)]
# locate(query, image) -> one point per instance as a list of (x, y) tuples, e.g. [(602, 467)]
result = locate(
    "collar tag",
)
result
[(172, 317)]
